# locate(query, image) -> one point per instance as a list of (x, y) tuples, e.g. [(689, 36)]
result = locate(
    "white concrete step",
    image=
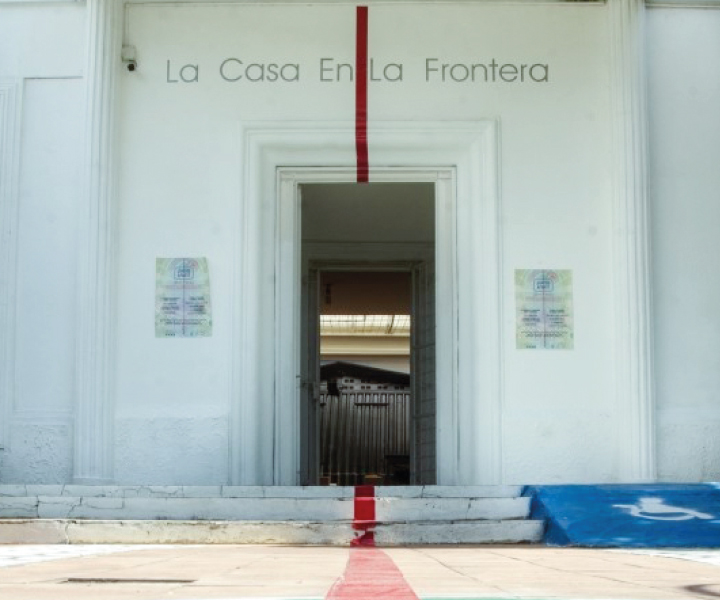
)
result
[(206, 509), (240, 514), (57, 531), (238, 491), (448, 491), (450, 509), (469, 532), (260, 509), (176, 491)]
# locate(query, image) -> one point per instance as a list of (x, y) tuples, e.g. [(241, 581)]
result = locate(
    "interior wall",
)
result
[(365, 293), (684, 180)]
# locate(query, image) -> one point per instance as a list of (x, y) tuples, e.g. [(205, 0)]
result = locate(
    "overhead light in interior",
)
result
[(365, 325)]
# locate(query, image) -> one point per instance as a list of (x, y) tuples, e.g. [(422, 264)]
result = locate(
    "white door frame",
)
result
[(460, 158), (289, 268)]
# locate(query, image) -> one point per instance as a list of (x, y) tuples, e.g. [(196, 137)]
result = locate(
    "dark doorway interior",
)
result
[(365, 377), (368, 338)]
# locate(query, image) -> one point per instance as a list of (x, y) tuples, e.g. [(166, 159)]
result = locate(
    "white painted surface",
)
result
[(38, 195), (180, 177), (710, 557), (253, 503), (249, 491), (43, 238), (262, 509), (198, 532), (46, 246), (172, 508), (216, 491), (506, 532), (10, 94), (451, 509), (685, 195), (42, 41), (444, 491), (210, 514)]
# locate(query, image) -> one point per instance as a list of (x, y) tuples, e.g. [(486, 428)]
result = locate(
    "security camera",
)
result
[(129, 57)]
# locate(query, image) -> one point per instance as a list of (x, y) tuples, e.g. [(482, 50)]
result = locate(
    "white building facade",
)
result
[(580, 137)]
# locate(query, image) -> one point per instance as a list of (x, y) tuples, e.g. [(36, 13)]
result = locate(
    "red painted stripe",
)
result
[(361, 94), (364, 518), (371, 574)]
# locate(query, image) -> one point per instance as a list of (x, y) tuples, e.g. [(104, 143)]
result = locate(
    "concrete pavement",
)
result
[(235, 572)]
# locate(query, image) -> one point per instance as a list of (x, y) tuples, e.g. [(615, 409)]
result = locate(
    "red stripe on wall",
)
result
[(361, 94)]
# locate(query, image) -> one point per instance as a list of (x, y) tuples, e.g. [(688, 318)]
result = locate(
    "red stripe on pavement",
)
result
[(361, 94), (364, 518), (371, 574)]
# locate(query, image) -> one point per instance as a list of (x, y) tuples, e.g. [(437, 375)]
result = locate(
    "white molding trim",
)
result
[(461, 157), (39, 415), (631, 239), (10, 118), (94, 416)]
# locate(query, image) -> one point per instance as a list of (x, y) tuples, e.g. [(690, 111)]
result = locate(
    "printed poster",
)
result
[(182, 298), (544, 309)]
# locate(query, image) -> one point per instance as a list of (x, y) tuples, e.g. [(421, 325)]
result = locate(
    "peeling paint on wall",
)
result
[(37, 453)]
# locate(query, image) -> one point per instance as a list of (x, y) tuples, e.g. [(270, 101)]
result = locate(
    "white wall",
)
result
[(181, 182), (41, 65), (180, 178), (683, 63)]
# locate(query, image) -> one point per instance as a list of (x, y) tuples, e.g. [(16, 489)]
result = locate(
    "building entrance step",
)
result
[(285, 515), (71, 531)]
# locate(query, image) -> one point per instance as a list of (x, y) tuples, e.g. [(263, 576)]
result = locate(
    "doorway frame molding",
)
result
[(461, 159)]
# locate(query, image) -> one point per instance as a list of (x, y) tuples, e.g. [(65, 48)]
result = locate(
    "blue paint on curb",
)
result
[(629, 516)]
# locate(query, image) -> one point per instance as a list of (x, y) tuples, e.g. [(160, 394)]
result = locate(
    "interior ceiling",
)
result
[(374, 212), (365, 325)]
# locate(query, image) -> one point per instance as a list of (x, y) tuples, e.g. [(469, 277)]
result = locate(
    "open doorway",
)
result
[(365, 382), (368, 401)]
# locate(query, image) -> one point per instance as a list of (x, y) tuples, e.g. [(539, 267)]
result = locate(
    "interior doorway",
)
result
[(368, 391)]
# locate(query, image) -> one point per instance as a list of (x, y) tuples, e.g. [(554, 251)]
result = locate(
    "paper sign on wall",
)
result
[(544, 309), (182, 298)]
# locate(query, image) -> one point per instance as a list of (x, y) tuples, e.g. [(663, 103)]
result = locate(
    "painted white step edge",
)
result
[(484, 532), (232, 491), (60, 531), (449, 491), (259, 509), (178, 509), (451, 509), (176, 491), (56, 531)]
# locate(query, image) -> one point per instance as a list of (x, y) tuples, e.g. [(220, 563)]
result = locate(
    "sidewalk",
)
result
[(235, 572)]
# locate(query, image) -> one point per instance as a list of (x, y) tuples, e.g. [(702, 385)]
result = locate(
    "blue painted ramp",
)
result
[(629, 516)]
